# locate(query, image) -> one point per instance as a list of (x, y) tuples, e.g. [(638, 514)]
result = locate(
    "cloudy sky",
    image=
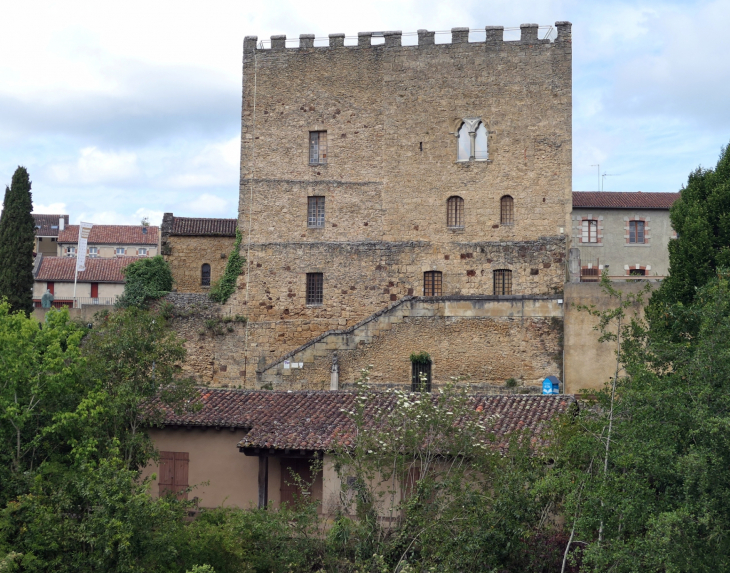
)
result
[(121, 110)]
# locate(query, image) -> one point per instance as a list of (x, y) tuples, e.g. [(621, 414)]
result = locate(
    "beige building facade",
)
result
[(370, 173)]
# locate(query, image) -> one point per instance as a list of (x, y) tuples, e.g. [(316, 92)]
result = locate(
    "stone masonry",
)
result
[(390, 116)]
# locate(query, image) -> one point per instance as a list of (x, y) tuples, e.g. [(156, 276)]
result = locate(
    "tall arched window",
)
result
[(205, 275), (464, 152), (480, 143), (455, 212), (507, 210)]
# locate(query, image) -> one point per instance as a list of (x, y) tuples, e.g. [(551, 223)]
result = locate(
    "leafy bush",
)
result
[(145, 280)]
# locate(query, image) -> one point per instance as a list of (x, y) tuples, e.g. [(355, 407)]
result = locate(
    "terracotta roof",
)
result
[(316, 420), (112, 235), (204, 227), (622, 200), (44, 224), (61, 269)]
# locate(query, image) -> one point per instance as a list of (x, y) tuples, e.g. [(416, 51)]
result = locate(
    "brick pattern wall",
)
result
[(186, 256)]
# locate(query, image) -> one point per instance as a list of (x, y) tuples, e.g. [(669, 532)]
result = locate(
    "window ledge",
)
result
[(455, 229), (310, 228), (205, 286), (637, 245), (465, 162), (317, 164), (315, 305)]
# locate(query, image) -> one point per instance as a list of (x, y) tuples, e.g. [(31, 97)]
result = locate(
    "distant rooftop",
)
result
[(112, 235), (622, 200), (47, 225), (62, 269), (200, 227)]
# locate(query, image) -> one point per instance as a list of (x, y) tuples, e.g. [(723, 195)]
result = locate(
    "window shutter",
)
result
[(167, 472), (180, 484)]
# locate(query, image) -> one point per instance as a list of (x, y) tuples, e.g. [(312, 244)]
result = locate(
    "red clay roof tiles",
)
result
[(312, 420), (622, 200), (112, 235), (61, 269)]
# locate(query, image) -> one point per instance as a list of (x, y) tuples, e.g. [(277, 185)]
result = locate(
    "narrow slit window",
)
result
[(315, 212), (317, 147), (636, 232), (432, 283), (315, 283), (455, 213), (507, 210), (590, 231), (205, 275), (480, 144), (502, 281)]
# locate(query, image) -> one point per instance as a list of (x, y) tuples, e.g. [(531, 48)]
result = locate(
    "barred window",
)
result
[(317, 147), (502, 281), (455, 212), (590, 275), (205, 275), (636, 231), (315, 211), (589, 233), (314, 288), (421, 376), (432, 283), (507, 210)]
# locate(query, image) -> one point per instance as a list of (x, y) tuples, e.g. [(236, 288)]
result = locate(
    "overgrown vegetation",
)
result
[(420, 358), (224, 287), (145, 280)]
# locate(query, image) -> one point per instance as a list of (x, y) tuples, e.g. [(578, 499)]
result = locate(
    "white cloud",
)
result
[(96, 166), (50, 208), (208, 205), (116, 218)]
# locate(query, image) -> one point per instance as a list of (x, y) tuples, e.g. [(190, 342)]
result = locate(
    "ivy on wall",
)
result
[(224, 287)]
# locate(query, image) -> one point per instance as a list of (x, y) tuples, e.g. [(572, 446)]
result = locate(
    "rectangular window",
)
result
[(142, 252), (590, 231), (432, 283), (590, 275), (314, 288), (70, 251), (636, 231), (315, 211), (502, 281), (120, 250), (317, 147), (93, 252), (421, 376), (173, 475)]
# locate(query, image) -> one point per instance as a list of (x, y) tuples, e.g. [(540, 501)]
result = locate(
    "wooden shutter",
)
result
[(173, 474), (50, 286), (94, 290), (291, 492)]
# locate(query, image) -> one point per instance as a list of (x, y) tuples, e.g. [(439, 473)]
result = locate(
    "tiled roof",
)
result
[(112, 235), (44, 224), (62, 269), (316, 421), (204, 227), (622, 200)]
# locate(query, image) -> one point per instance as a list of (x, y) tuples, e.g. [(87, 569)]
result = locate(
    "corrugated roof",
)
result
[(44, 224), (622, 200), (62, 269), (112, 235), (204, 227), (316, 420)]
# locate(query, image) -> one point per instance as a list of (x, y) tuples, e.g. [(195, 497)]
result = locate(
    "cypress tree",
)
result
[(17, 238)]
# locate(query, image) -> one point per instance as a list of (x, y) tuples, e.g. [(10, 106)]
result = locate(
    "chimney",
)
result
[(61, 223), (144, 230)]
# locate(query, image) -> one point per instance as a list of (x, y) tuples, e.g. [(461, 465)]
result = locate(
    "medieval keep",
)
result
[(402, 199)]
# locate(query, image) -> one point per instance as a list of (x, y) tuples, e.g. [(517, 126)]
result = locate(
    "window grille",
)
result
[(502, 281), (317, 147), (507, 210), (636, 231), (455, 213), (314, 288), (315, 211), (590, 275), (205, 275), (589, 232), (421, 376), (432, 283), (637, 272)]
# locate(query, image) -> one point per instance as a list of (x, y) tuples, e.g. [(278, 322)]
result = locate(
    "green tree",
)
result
[(17, 235), (701, 218), (145, 280)]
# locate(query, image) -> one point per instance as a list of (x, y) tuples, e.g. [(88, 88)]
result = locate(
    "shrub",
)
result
[(223, 288), (145, 280)]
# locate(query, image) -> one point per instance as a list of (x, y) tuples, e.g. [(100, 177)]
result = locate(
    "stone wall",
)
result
[(187, 254)]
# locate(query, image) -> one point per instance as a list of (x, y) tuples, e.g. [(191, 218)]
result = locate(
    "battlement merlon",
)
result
[(495, 36)]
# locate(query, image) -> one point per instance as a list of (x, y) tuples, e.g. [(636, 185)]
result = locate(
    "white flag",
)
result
[(84, 232)]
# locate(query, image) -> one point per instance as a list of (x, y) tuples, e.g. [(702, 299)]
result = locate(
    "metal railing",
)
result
[(89, 301)]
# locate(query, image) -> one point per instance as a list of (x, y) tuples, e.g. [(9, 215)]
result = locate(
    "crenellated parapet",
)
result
[(529, 34)]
